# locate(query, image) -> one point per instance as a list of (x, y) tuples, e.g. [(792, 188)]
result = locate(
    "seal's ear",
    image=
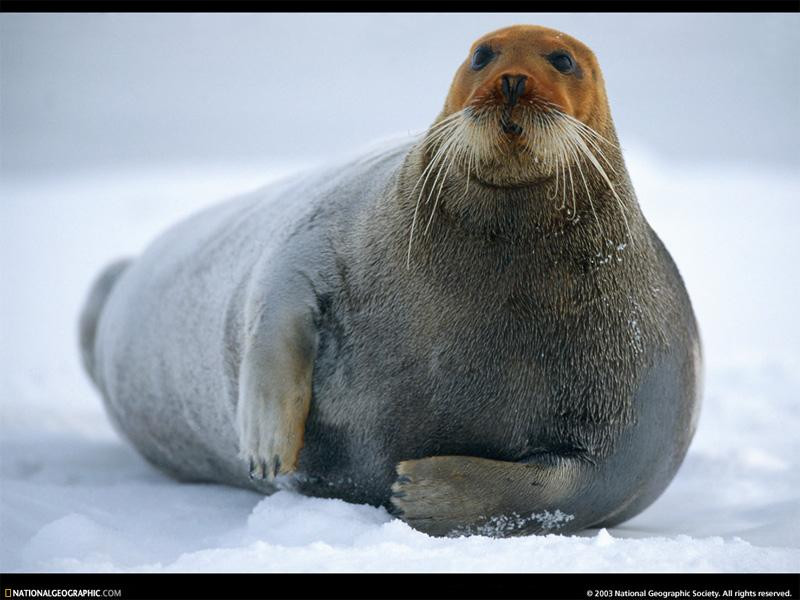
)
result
[(275, 380)]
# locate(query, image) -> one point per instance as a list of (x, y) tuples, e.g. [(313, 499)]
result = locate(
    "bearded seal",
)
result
[(477, 330)]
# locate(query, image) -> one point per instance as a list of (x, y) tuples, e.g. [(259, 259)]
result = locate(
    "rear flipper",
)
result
[(93, 308), (463, 495)]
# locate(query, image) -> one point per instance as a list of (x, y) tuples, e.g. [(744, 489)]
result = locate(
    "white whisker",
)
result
[(447, 133), (570, 136), (436, 202)]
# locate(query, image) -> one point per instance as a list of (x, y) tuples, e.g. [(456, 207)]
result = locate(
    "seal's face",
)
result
[(526, 105), (528, 68)]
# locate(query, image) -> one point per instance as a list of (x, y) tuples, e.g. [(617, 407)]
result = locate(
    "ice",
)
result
[(75, 497)]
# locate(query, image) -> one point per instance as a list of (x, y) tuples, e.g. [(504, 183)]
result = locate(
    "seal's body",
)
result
[(478, 330)]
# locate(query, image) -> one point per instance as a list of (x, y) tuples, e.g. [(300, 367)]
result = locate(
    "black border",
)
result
[(469, 6), (399, 586), (207, 586)]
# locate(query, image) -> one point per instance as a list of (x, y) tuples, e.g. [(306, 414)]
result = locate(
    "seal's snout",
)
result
[(512, 86)]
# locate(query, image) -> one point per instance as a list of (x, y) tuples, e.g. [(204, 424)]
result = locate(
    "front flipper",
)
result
[(463, 495), (275, 379)]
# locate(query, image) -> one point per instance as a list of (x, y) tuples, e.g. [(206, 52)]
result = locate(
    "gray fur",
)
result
[(90, 314), (527, 373)]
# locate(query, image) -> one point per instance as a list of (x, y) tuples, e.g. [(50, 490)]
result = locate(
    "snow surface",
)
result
[(75, 497)]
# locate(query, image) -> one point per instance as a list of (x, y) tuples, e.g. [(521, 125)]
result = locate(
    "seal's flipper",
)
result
[(465, 495), (275, 385), (92, 309)]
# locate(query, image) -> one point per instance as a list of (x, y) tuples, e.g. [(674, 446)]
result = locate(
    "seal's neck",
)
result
[(580, 213), (513, 251)]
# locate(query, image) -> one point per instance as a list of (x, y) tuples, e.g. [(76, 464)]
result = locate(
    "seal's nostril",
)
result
[(506, 88), (513, 86), (520, 85)]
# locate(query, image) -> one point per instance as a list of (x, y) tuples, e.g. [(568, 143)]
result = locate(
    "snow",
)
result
[(75, 497)]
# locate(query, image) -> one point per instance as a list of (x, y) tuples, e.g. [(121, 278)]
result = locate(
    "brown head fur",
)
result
[(523, 50)]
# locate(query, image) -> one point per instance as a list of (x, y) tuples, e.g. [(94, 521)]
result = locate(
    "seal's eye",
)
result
[(561, 61), (482, 57)]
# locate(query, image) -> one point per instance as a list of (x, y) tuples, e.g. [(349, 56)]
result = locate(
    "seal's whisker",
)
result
[(492, 140), (442, 130), (591, 136), (587, 133), (445, 123), (597, 148), (534, 142), (424, 175), (446, 149), (484, 147), (431, 166), (577, 135), (553, 161), (562, 163), (586, 129), (446, 136), (448, 119), (476, 104), (426, 172), (572, 189), (411, 236), (470, 156), (441, 134), (436, 202), (551, 149), (562, 159), (554, 195), (603, 174), (489, 134), (476, 138), (561, 112), (556, 148), (438, 126), (570, 135), (443, 165)]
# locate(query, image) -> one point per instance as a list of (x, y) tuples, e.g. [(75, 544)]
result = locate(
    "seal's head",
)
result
[(527, 102), (525, 145)]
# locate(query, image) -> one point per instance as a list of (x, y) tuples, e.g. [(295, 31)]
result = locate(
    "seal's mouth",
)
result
[(516, 185), (508, 125), (511, 146), (517, 124)]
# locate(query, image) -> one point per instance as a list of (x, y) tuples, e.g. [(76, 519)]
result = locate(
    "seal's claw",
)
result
[(253, 469), (276, 465), (258, 470)]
